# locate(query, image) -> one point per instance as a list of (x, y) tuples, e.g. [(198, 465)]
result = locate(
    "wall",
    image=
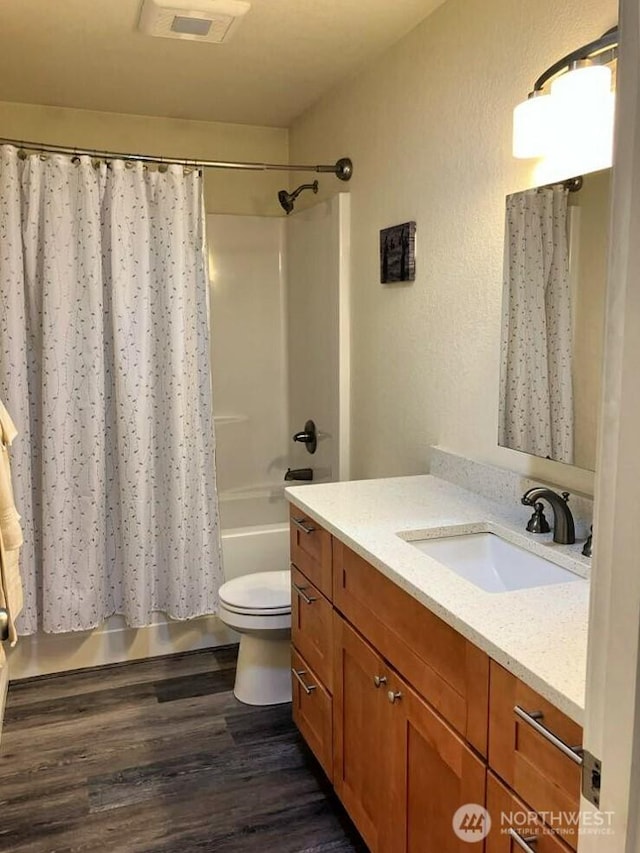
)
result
[(428, 125), (225, 191)]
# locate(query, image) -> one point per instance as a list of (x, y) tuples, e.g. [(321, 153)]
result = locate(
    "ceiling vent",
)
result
[(213, 20)]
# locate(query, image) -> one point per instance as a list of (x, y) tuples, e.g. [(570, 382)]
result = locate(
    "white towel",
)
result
[(10, 530)]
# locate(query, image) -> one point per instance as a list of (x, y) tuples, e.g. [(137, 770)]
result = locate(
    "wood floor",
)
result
[(156, 757)]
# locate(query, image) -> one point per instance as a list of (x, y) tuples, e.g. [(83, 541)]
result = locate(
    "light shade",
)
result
[(532, 126), (582, 85)]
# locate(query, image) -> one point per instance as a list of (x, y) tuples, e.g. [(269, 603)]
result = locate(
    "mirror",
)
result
[(555, 258)]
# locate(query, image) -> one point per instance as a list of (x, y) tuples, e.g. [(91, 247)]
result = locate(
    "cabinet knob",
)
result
[(378, 680), (394, 696)]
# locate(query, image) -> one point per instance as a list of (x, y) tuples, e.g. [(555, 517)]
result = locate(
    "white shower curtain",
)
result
[(536, 393), (104, 363)]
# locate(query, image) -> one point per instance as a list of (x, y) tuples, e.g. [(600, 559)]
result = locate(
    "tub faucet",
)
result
[(563, 527), (299, 474)]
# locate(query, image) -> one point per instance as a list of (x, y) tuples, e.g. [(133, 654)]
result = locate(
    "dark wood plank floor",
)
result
[(155, 757)]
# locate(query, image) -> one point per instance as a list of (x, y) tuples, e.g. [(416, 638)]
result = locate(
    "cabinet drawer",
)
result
[(310, 547), (446, 669), (312, 711), (311, 626), (531, 763), (511, 815)]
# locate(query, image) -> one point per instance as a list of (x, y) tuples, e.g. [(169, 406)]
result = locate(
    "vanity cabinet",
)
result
[(409, 719)]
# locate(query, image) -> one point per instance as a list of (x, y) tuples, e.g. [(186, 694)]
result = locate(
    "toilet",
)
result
[(258, 607)]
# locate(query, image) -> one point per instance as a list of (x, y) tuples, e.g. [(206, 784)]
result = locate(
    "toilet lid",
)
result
[(264, 591)]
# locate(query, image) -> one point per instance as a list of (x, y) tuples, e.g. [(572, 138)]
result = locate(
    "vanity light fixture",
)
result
[(577, 107)]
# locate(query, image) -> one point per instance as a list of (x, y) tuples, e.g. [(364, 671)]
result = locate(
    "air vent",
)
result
[(213, 21)]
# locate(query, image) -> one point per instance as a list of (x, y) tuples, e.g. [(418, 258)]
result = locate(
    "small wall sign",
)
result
[(398, 253)]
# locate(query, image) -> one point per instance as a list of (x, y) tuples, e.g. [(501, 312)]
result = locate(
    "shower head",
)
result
[(287, 199)]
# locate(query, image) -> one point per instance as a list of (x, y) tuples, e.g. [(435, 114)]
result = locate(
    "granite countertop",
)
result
[(540, 635)]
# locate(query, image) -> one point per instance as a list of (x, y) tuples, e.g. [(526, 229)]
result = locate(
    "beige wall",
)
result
[(225, 191), (428, 126)]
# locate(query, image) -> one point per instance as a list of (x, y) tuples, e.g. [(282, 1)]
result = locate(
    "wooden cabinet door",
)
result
[(433, 773), (361, 724)]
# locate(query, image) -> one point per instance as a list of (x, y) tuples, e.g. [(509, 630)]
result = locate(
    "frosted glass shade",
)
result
[(582, 85), (532, 127)]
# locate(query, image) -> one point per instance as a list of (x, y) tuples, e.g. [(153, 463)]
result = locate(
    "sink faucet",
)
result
[(563, 528)]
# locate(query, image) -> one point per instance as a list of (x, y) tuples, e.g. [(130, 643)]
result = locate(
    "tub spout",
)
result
[(299, 474)]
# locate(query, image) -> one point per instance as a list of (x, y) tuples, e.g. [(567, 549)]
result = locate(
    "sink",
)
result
[(492, 563)]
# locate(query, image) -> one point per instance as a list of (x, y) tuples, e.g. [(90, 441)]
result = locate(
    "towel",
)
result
[(10, 530)]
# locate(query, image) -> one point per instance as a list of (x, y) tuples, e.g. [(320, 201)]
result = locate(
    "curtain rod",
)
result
[(343, 169)]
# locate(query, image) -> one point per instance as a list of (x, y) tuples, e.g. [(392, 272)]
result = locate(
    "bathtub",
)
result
[(255, 532), (263, 548)]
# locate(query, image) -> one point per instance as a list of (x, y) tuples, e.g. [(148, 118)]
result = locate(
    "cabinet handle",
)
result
[(394, 696), (379, 680), (525, 845), (308, 688), (532, 719), (308, 599), (306, 528)]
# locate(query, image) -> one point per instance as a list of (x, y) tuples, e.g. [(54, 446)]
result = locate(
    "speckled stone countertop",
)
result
[(538, 634)]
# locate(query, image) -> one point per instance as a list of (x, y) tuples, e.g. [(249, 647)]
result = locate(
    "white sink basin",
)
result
[(492, 563)]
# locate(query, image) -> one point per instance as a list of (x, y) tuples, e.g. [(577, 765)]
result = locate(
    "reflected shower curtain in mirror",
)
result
[(104, 360), (536, 387)]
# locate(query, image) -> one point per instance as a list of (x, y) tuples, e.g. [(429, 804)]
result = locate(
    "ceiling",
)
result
[(285, 54)]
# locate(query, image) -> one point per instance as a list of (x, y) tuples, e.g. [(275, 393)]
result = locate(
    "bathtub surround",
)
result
[(114, 472)]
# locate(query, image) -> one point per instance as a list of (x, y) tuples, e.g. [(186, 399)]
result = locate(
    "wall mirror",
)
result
[(555, 259)]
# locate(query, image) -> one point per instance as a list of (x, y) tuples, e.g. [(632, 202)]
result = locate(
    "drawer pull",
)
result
[(527, 845), (299, 523), (379, 680), (394, 696), (308, 688), (308, 599), (575, 754)]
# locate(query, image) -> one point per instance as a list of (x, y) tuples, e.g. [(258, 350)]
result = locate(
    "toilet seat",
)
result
[(258, 594)]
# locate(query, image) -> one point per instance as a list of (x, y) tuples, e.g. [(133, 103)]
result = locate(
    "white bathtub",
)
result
[(262, 548)]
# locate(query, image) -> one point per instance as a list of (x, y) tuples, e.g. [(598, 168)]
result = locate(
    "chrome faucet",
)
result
[(563, 527)]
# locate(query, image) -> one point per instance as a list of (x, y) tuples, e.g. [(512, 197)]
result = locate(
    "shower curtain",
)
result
[(536, 391), (104, 362)]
